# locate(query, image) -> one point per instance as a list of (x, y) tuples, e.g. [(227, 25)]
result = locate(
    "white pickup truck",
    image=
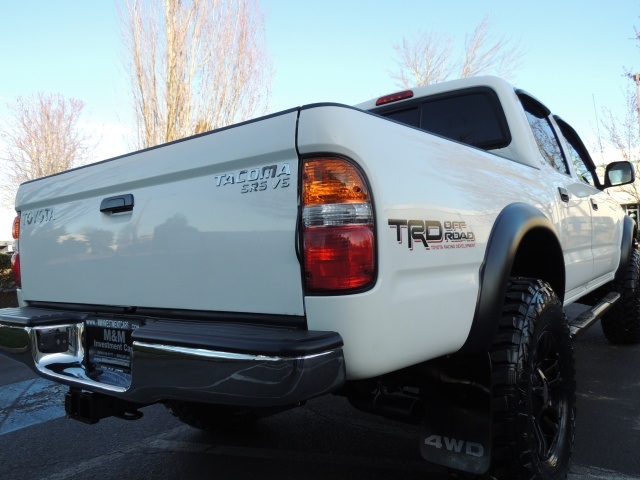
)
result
[(413, 253)]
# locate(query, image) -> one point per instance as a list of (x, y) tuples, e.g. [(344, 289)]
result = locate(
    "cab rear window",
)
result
[(473, 116)]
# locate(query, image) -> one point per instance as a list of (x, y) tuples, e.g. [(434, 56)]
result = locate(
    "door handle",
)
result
[(564, 195), (594, 204), (117, 204)]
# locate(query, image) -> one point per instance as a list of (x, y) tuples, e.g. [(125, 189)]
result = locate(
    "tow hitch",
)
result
[(89, 407)]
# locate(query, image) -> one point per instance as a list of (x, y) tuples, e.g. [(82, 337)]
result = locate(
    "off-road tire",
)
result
[(621, 325), (212, 417), (533, 387)]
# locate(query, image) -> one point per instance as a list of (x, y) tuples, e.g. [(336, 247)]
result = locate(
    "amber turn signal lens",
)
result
[(16, 228), (332, 180)]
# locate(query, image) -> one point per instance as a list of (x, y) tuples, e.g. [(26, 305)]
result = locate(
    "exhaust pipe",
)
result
[(400, 408)]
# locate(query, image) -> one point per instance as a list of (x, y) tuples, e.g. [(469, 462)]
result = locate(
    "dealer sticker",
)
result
[(108, 343)]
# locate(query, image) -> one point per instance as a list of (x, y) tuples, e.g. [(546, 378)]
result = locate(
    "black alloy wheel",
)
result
[(533, 385)]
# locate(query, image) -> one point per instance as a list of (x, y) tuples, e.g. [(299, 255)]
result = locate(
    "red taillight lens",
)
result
[(339, 258), (338, 227), (15, 259), (15, 268)]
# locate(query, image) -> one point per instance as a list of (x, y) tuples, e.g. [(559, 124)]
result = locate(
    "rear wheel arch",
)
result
[(540, 256), (629, 235), (523, 242)]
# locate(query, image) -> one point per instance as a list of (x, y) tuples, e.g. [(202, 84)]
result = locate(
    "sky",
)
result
[(341, 51)]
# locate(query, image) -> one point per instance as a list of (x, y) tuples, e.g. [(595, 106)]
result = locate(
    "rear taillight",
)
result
[(15, 259), (337, 226), (15, 231), (15, 268)]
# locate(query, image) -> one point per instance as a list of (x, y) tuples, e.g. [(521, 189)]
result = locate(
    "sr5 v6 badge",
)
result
[(257, 179)]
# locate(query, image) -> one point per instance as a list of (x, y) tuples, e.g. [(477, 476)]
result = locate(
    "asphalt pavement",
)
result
[(324, 439)]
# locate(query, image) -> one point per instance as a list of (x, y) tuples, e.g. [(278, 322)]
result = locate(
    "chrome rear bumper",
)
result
[(191, 361)]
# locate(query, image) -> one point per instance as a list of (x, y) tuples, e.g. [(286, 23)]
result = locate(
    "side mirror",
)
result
[(619, 173)]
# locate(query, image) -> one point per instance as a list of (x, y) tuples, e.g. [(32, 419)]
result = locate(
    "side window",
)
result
[(578, 153), (547, 141), (581, 168)]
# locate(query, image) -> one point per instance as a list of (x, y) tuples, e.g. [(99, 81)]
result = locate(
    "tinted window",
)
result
[(410, 116), (471, 119), (472, 116), (577, 153), (547, 141), (581, 169)]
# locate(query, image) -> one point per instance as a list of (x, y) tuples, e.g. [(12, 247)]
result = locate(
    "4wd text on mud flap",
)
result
[(453, 445)]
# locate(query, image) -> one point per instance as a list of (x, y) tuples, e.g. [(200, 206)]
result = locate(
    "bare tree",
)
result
[(622, 136), (41, 137), (194, 64), (424, 59), (428, 57)]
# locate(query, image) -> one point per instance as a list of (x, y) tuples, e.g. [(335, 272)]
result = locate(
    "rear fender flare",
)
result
[(512, 225), (628, 237)]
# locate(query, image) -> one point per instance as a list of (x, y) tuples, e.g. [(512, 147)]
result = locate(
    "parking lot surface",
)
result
[(326, 438)]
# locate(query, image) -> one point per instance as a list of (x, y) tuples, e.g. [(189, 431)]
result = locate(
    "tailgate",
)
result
[(212, 226)]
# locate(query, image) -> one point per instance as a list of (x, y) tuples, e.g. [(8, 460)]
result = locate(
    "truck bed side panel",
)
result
[(424, 301)]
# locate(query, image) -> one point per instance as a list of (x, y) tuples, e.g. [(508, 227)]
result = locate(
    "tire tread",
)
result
[(512, 458)]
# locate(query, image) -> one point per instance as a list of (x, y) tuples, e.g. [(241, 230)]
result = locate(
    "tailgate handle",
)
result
[(117, 204)]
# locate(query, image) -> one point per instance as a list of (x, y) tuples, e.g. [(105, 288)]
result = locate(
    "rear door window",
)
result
[(547, 140), (578, 154)]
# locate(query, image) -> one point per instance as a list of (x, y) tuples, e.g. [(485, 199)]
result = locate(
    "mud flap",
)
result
[(456, 431)]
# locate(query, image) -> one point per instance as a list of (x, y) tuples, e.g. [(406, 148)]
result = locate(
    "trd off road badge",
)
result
[(268, 177), (433, 234)]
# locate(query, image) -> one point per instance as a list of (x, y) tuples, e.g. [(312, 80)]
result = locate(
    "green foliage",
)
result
[(13, 339), (6, 276), (5, 261)]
